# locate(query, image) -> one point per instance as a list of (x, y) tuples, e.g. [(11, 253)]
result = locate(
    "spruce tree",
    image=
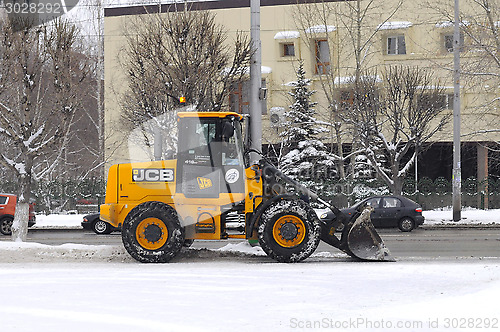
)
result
[(306, 158)]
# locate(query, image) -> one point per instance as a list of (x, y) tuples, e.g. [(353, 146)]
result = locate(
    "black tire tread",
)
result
[(6, 219), (273, 213), (108, 229), (163, 212), (403, 229)]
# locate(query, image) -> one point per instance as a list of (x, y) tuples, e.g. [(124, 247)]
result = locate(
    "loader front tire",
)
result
[(289, 231), (152, 233)]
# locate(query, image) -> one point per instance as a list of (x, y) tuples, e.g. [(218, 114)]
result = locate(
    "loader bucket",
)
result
[(361, 240)]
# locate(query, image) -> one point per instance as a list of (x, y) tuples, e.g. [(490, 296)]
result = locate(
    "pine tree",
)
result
[(307, 158)]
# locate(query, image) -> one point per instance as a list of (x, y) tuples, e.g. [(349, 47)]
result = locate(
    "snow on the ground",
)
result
[(469, 216), (236, 288), (59, 221)]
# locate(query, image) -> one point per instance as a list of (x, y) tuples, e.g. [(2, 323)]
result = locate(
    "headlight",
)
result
[(323, 216)]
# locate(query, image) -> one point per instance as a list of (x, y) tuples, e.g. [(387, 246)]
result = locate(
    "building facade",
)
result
[(337, 40)]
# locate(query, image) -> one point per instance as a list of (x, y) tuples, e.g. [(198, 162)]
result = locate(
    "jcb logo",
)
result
[(153, 174), (204, 183)]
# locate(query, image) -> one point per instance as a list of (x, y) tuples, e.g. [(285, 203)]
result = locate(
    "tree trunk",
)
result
[(340, 153), (20, 223), (21, 216), (398, 186)]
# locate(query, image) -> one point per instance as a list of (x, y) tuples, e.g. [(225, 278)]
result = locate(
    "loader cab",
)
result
[(210, 154)]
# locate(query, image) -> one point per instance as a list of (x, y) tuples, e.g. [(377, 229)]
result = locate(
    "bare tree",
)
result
[(40, 72), (178, 54), (352, 22), (479, 57), (398, 115)]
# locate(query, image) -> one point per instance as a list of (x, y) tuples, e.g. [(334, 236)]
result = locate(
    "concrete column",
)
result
[(482, 173)]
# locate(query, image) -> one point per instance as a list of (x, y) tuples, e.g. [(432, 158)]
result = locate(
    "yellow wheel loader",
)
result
[(211, 192)]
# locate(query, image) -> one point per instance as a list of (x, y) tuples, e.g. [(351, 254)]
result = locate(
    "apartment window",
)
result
[(322, 55), (448, 100), (438, 102), (363, 99), (448, 42), (396, 45), (346, 100), (287, 49), (239, 98)]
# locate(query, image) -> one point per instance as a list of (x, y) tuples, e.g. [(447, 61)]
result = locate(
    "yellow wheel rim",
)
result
[(151, 233), (289, 231)]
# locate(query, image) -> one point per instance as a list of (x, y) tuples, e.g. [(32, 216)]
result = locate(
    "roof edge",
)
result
[(203, 5)]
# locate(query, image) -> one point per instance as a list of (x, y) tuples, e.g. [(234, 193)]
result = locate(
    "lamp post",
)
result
[(255, 81), (457, 176)]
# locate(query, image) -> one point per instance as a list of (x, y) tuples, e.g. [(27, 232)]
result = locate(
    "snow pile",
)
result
[(321, 29), (287, 35), (59, 221), (395, 25), (469, 217), (30, 252), (243, 248)]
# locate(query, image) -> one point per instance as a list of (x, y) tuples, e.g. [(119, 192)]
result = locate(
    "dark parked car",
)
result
[(93, 223), (388, 211)]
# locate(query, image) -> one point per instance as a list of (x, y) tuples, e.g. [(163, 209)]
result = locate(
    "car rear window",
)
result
[(3, 200)]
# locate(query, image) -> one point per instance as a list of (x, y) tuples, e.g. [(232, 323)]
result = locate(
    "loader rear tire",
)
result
[(289, 231), (152, 233)]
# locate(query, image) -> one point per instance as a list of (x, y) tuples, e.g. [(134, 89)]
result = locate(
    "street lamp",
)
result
[(457, 176)]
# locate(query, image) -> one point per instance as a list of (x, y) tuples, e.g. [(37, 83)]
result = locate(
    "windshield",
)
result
[(209, 141), (238, 143)]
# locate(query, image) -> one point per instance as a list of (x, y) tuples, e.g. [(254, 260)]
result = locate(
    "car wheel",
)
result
[(101, 227), (6, 225), (406, 225)]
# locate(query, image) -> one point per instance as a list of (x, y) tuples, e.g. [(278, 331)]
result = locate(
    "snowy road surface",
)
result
[(100, 288)]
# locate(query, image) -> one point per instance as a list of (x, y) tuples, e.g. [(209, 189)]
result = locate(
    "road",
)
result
[(426, 244)]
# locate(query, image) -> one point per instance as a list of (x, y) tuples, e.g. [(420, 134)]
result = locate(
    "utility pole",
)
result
[(255, 82), (100, 80), (457, 173)]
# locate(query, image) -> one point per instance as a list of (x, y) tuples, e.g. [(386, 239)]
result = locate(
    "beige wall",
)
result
[(424, 42)]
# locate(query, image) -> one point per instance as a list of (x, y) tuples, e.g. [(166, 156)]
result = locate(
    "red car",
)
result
[(7, 208)]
